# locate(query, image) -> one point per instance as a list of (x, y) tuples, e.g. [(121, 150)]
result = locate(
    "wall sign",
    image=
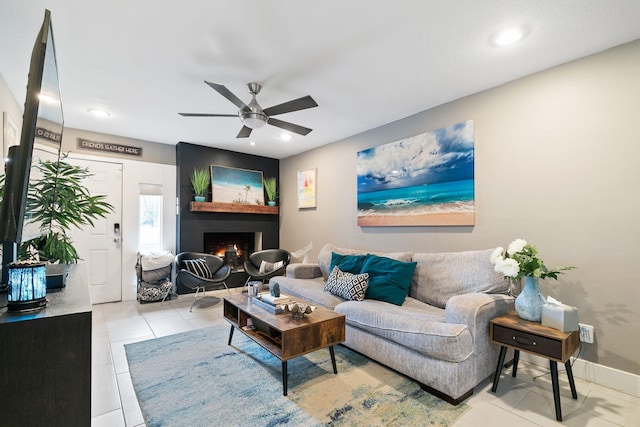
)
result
[(48, 135), (85, 144)]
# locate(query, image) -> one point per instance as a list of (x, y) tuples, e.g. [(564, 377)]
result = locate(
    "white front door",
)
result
[(100, 247)]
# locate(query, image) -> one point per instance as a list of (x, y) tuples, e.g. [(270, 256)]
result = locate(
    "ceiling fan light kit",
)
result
[(253, 116), (253, 120)]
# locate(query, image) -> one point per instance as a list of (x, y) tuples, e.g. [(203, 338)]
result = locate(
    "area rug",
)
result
[(195, 379)]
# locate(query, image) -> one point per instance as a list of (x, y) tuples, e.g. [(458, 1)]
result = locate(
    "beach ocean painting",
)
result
[(427, 179), (233, 185)]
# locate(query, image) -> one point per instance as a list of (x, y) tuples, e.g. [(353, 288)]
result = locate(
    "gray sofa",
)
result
[(440, 334)]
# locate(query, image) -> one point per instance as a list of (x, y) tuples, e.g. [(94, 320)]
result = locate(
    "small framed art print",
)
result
[(307, 188)]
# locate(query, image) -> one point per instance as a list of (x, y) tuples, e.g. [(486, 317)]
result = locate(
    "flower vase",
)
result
[(530, 301)]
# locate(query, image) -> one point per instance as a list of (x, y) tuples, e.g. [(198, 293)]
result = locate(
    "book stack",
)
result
[(271, 303), (268, 298)]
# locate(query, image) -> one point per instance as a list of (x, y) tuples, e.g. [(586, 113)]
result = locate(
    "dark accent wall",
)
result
[(191, 226)]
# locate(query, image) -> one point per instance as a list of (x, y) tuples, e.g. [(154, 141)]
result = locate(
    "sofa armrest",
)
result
[(475, 310), (303, 271)]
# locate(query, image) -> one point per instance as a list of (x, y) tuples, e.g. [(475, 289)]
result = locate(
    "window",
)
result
[(150, 217)]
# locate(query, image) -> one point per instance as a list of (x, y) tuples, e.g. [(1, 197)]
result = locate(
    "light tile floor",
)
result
[(523, 401)]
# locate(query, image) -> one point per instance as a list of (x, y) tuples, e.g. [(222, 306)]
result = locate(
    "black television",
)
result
[(42, 121)]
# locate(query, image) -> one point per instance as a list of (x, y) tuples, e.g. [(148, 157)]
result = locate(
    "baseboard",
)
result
[(605, 376)]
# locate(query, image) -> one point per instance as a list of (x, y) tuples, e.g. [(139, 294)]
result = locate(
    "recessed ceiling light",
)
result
[(98, 113), (508, 36), (285, 137)]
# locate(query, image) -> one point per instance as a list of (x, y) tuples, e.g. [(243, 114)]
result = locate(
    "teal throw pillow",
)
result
[(347, 263), (389, 279)]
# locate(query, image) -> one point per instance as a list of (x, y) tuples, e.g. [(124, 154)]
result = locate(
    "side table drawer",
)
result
[(527, 342)]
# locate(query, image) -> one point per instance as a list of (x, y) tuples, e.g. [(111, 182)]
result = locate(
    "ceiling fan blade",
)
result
[(289, 126), (207, 115), (244, 132), (222, 90), (295, 105)]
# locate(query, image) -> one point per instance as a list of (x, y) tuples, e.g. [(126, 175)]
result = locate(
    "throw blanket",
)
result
[(152, 260)]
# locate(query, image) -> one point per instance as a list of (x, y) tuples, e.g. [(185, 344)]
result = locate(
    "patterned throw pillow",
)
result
[(198, 267), (347, 285)]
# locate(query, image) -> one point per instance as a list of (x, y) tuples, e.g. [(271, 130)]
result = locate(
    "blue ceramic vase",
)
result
[(530, 301)]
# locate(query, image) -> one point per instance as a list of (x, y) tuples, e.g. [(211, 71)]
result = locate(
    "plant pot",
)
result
[(271, 203), (530, 301), (199, 198), (57, 275)]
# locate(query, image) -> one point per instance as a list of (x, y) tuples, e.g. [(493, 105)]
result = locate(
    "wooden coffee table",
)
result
[(283, 335)]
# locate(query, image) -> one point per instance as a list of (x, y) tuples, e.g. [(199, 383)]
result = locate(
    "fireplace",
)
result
[(234, 247)]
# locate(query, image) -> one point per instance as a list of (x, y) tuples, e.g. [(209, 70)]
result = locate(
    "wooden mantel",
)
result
[(233, 208)]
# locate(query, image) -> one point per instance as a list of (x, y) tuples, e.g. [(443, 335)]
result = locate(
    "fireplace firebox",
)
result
[(234, 247)]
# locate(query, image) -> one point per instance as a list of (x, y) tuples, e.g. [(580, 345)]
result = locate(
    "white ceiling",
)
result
[(366, 62)]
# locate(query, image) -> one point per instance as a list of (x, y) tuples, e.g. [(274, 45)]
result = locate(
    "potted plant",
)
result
[(200, 183), (270, 188), (57, 202)]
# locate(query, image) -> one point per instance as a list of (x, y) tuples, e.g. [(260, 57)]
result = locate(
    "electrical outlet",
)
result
[(586, 333)]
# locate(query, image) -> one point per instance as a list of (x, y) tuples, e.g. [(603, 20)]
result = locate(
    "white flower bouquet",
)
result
[(521, 260)]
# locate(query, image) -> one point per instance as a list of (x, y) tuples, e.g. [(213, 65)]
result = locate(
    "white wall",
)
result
[(556, 162), (156, 166), (10, 106), (135, 173)]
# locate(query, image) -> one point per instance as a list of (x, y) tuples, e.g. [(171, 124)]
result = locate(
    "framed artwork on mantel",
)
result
[(307, 188), (235, 185)]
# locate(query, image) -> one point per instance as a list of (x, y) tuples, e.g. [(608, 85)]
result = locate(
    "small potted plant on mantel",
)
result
[(270, 188), (200, 183)]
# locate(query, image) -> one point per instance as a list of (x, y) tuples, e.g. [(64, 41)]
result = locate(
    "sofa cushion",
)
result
[(439, 276), (347, 263), (389, 279), (324, 257), (347, 285), (415, 325), (309, 290)]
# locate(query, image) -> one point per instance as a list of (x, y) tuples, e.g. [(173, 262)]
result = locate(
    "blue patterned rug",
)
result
[(195, 379)]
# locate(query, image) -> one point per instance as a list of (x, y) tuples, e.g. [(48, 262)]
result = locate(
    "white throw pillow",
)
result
[(268, 267)]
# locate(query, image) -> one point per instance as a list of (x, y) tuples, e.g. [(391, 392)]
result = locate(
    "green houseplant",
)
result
[(57, 201), (200, 183), (270, 189)]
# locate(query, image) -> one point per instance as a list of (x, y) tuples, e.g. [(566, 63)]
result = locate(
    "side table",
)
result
[(510, 331)]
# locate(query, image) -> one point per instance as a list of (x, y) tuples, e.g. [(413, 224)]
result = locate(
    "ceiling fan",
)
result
[(253, 116)]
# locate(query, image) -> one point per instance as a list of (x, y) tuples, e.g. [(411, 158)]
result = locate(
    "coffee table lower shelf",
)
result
[(282, 335)]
